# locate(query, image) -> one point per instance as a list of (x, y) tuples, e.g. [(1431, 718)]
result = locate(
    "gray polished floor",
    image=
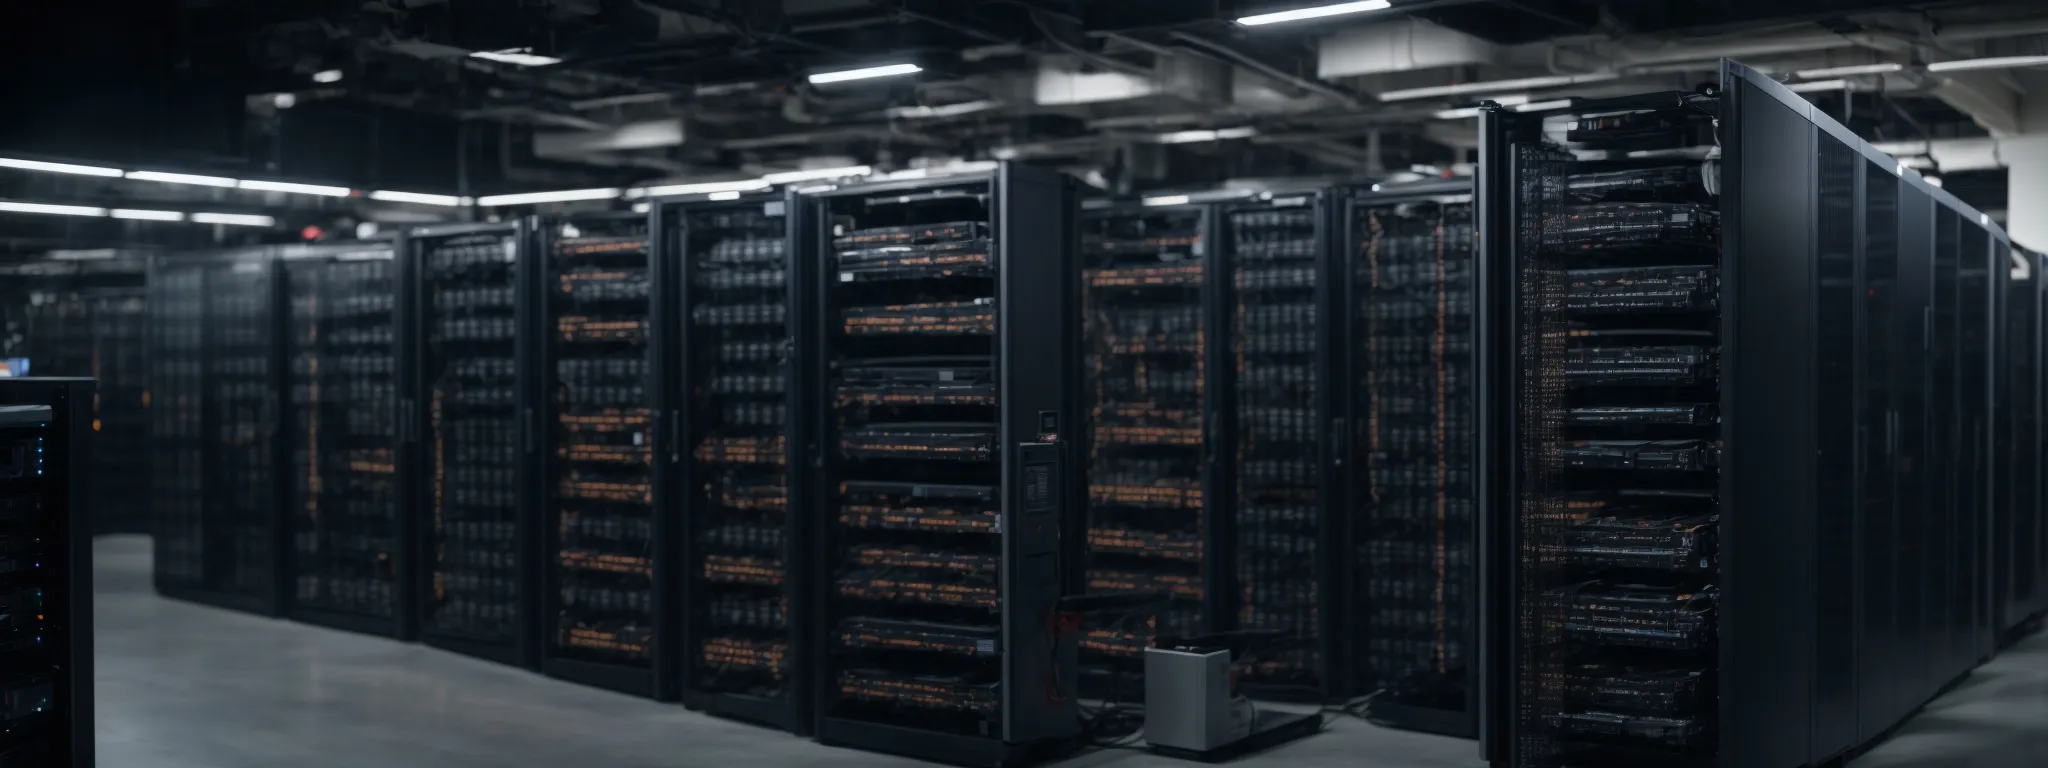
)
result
[(183, 686)]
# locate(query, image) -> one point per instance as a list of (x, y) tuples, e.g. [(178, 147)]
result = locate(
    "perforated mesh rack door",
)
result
[(1277, 257), (946, 352), (346, 510), (1411, 521), (479, 434), (1145, 320), (743, 596), (177, 349), (96, 327), (598, 293), (216, 367)]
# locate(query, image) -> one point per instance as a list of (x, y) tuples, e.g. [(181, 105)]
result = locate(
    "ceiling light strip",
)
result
[(80, 170), (183, 178), (1995, 62), (865, 73), (1316, 12), (562, 196)]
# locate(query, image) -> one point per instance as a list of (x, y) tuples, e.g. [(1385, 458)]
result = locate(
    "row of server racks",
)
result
[(87, 320), (1278, 396), (484, 440), (803, 461), (829, 462), (1759, 434)]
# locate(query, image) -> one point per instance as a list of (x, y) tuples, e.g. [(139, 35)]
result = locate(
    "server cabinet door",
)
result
[(1409, 504), (242, 523), (1284, 430), (1149, 453), (601, 555), (739, 446), (476, 533), (345, 506), (176, 357)]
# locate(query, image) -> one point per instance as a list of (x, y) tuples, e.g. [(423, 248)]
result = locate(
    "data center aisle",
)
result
[(184, 686)]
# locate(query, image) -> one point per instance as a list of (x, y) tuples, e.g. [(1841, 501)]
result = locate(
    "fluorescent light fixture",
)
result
[(945, 110), (182, 178), (237, 219), (563, 196), (948, 169), (1855, 69), (1220, 134), (1317, 12), (286, 186), (1496, 86), (284, 100), (414, 197), (142, 215), (1818, 86), (786, 177), (1543, 106), (96, 254), (642, 207), (327, 76), (865, 73), (724, 196), (743, 185), (1461, 113), (524, 57), (38, 165), (59, 210), (1995, 62), (1166, 200)]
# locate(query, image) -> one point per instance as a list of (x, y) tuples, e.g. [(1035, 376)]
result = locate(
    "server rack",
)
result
[(46, 663), (1154, 309), (349, 474), (1285, 439), (216, 368), (947, 499), (2020, 537), (471, 411), (736, 456), (87, 319), (605, 568), (1407, 394), (1676, 567)]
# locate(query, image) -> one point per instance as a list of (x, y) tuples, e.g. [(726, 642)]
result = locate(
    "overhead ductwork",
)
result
[(1399, 46)]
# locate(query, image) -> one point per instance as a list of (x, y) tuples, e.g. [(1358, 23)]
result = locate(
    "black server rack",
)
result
[(1735, 434), (1152, 313), (216, 371), (1407, 503), (2020, 535), (471, 408), (603, 591), (46, 662), (736, 455), (1284, 440), (947, 499), (349, 475), (92, 325)]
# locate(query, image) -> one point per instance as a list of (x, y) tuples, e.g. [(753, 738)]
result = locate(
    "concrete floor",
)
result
[(184, 686)]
